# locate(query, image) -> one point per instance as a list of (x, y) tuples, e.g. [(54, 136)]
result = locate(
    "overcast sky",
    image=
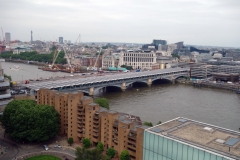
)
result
[(199, 22)]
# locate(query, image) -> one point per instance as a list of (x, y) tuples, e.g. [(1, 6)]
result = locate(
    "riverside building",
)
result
[(187, 139), (138, 60), (5, 95), (81, 118)]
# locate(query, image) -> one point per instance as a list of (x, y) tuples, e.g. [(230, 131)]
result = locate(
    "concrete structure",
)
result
[(138, 60), (82, 118), (122, 81), (110, 61), (5, 95), (60, 40), (187, 139), (7, 37)]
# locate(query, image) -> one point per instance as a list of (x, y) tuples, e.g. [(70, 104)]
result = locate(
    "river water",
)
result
[(161, 102)]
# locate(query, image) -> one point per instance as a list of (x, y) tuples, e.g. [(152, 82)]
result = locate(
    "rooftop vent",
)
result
[(232, 141), (220, 141), (157, 130), (208, 129), (182, 120)]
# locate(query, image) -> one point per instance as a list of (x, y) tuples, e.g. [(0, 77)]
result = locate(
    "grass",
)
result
[(44, 157)]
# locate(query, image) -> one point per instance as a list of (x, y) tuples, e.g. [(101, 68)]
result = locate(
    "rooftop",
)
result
[(201, 135)]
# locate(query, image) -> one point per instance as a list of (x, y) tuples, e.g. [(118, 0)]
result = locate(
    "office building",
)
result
[(81, 118), (60, 39), (138, 60), (7, 37), (156, 43), (185, 139)]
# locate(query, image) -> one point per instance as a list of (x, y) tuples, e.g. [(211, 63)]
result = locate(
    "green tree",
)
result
[(159, 122), (148, 124), (100, 147), (24, 120), (86, 143), (103, 102), (127, 67), (90, 154), (70, 141), (125, 155), (111, 152)]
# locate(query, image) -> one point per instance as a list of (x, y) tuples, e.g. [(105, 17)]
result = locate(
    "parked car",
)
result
[(57, 146)]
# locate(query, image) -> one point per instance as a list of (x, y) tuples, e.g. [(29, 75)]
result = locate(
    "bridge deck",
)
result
[(98, 79)]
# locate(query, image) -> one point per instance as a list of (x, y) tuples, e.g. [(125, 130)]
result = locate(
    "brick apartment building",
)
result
[(81, 118)]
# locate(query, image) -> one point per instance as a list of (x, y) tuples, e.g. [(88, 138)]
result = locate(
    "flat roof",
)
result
[(201, 135)]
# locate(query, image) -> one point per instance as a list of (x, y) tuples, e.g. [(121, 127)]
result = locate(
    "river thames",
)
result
[(161, 102)]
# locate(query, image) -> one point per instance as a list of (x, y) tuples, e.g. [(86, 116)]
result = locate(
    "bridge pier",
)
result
[(91, 91), (123, 86), (149, 82), (173, 80)]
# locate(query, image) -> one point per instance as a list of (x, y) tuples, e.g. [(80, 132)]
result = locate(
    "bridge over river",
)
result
[(122, 81)]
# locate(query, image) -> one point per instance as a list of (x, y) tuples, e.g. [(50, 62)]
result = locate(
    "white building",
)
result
[(110, 61), (138, 60)]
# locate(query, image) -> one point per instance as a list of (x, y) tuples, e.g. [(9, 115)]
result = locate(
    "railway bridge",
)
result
[(91, 84)]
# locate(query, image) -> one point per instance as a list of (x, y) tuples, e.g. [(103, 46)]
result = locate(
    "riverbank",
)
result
[(26, 62), (226, 86)]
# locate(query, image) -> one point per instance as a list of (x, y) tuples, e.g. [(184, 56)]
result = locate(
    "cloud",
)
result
[(139, 21)]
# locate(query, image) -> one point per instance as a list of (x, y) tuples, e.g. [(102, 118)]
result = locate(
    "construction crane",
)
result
[(68, 60), (97, 58), (78, 38), (55, 57)]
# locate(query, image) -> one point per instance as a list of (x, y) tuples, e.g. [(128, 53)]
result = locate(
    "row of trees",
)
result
[(34, 56), (150, 123), (85, 153)]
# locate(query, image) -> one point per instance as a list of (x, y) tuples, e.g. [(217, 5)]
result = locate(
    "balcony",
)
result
[(131, 151), (96, 128), (80, 109), (95, 117), (133, 147)]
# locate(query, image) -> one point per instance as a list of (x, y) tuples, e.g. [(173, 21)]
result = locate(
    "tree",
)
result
[(100, 147), (124, 155), (90, 154), (111, 152), (86, 143), (148, 124), (103, 102), (70, 141), (24, 120), (159, 122), (127, 67)]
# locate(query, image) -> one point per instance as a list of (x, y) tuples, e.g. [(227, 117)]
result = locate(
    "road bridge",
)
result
[(91, 84)]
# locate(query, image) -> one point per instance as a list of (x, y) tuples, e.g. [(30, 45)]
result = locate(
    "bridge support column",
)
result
[(149, 82), (173, 80), (123, 86), (91, 91)]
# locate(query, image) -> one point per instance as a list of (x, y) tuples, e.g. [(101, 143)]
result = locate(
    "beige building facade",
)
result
[(138, 60), (81, 118)]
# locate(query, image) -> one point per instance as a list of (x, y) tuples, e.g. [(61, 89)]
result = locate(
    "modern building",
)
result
[(81, 118), (138, 60), (7, 37), (156, 43), (60, 40), (185, 139)]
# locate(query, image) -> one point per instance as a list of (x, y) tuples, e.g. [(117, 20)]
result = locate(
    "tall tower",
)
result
[(31, 37), (7, 37)]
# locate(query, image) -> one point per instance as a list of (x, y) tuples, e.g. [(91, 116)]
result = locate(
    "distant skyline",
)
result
[(208, 23)]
